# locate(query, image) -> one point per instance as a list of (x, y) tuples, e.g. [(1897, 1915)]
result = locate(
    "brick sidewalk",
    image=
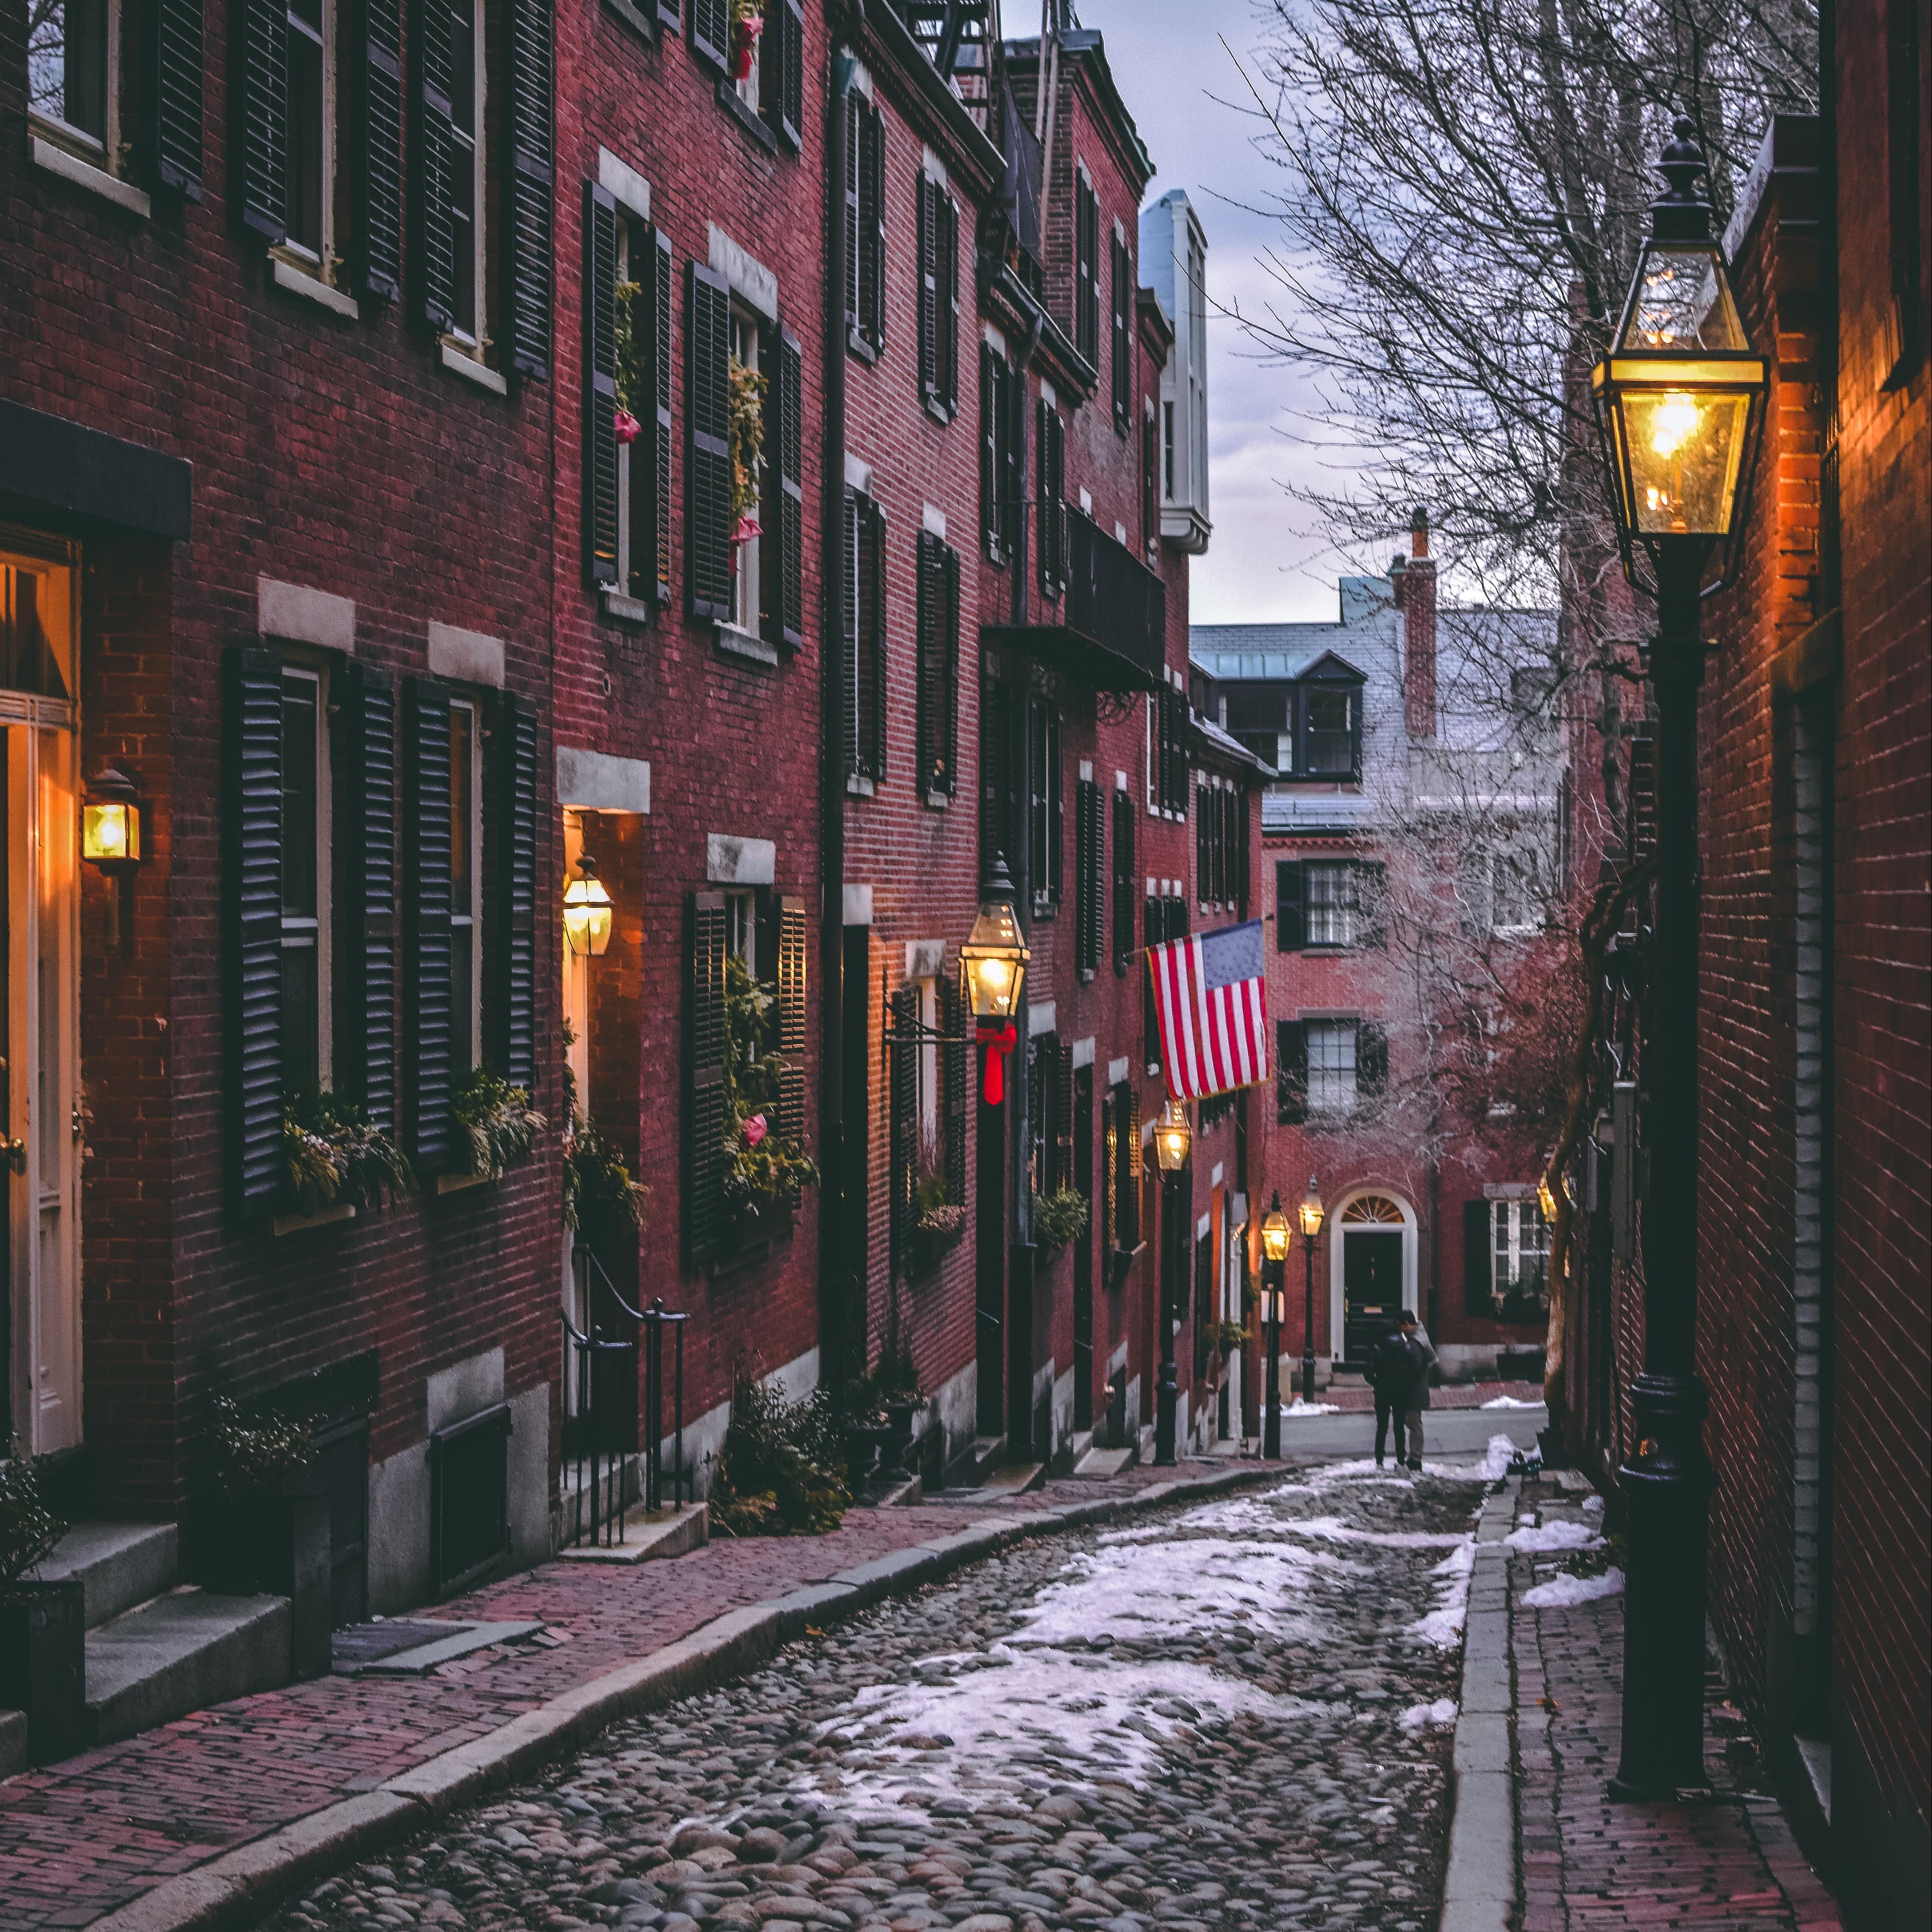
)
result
[(1589, 1865), (84, 1836)]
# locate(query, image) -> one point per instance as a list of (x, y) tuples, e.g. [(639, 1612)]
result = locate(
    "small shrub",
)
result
[(1059, 1217), (783, 1469), (28, 1529), (334, 1154), (598, 1194), (499, 1125), (255, 1449)]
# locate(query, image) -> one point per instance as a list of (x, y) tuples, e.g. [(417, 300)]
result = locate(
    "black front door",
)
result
[(1083, 1250), (990, 1281), (1371, 1288)]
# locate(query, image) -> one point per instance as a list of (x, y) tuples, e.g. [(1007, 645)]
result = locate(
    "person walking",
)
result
[(1418, 1397), (1391, 1371)]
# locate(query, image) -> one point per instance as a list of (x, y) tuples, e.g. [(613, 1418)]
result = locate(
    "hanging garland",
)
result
[(748, 442)]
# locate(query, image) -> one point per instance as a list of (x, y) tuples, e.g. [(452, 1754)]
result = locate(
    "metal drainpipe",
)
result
[(835, 1296)]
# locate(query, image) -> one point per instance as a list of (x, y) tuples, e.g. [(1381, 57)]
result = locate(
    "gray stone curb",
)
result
[(1479, 1891), (240, 1886)]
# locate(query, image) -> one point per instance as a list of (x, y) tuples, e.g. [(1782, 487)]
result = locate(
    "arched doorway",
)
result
[(1372, 1271)]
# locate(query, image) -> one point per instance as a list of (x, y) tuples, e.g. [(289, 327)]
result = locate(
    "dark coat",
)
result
[(1397, 1370)]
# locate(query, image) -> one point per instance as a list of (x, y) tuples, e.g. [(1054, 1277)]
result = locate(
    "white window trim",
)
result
[(475, 914), (102, 154), (475, 347), (301, 668), (747, 563), (316, 269), (1508, 1219), (1346, 1028)]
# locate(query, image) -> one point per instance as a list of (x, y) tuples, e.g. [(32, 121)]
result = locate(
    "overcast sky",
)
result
[(1269, 559)]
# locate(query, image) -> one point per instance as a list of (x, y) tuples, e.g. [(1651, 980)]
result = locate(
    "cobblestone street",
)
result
[(1231, 1714)]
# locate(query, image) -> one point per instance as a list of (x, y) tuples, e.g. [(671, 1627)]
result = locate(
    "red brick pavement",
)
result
[(1589, 1865), (86, 1835)]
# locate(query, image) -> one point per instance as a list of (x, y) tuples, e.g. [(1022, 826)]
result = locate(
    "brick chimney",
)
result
[(1415, 599)]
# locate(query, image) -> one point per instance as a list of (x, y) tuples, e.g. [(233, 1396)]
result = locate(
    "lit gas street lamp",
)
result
[(1679, 398), (1172, 1139), (1274, 1248), (1311, 1228)]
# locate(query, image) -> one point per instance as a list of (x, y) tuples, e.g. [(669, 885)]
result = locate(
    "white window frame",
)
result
[(1341, 910), (1509, 1222), (301, 669), (320, 266), (747, 615), (741, 926), (471, 916), (476, 343), (103, 150), (927, 992), (1327, 1093)]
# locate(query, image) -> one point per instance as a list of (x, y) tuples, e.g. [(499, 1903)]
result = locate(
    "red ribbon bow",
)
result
[(998, 1042)]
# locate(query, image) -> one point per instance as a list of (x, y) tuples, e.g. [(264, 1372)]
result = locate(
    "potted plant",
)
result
[(747, 22), (335, 1155), (599, 1196), (939, 1221), (499, 1126), (1229, 1336), (43, 1625), (277, 1522), (1059, 1217), (766, 1171)]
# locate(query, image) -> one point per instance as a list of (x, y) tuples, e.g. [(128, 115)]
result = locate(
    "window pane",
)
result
[(67, 63), (1331, 905), (301, 1033), (299, 804), (1331, 1065), (468, 314), (462, 808), (303, 208)]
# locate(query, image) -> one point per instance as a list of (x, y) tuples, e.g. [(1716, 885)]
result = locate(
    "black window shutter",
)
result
[(873, 220), (253, 778), (855, 169), (1050, 519), (903, 1125), (711, 29), (1123, 880), (948, 669), (1085, 314), (1123, 297), (791, 25), (428, 1066), (1371, 1060), (659, 295), (530, 144), (1204, 861), (1291, 1071), (365, 939), (926, 584), (176, 39), (929, 290), (991, 519), (704, 1146), (516, 936), (873, 562), (1063, 1115), (949, 304), (1291, 915), (850, 728), (260, 129), (432, 180), (787, 473), (600, 383), (373, 64), (791, 951), (707, 491), (1156, 931), (1056, 810), (1478, 1259)]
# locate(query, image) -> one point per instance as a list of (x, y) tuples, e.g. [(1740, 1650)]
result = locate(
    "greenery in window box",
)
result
[(334, 1155), (1229, 1336), (499, 1125), (599, 1195), (936, 1214), (782, 1472), (633, 372), (259, 1452), (763, 1169), (1059, 1217), (28, 1529), (748, 443)]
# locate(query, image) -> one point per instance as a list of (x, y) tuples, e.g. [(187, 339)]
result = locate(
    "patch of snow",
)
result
[(1593, 1505), (1562, 1592), (1442, 1711), (1443, 1626), (1333, 1529), (1298, 1407), (1558, 1535), (1496, 1459), (1509, 1402)]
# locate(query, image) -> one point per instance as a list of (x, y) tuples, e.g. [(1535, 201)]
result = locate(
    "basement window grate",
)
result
[(469, 1498)]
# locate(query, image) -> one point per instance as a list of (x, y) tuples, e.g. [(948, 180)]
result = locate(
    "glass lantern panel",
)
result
[(1682, 301), (1684, 450)]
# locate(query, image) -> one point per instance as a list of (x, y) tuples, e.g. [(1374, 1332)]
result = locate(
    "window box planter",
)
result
[(931, 1246), (749, 1236), (43, 1665)]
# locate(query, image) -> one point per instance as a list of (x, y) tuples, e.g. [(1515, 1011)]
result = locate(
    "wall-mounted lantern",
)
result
[(586, 911), (110, 821), (992, 968), (1172, 1137)]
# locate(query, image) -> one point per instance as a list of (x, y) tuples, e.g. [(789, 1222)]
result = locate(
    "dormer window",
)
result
[(1332, 718)]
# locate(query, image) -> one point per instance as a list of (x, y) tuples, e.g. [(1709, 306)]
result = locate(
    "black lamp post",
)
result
[(1679, 398), (1172, 1138), (1311, 1228), (1274, 1248)]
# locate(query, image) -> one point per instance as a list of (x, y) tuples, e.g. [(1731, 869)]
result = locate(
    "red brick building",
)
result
[(1816, 742), (1410, 845)]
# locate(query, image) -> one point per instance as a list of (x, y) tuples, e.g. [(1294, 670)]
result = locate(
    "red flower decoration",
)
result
[(755, 1129), (747, 529), (628, 426)]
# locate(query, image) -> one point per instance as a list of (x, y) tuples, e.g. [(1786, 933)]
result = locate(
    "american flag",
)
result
[(1211, 994)]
